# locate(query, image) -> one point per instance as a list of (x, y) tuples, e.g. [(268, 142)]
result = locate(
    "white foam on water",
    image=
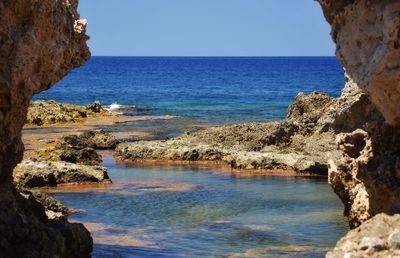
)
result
[(114, 107)]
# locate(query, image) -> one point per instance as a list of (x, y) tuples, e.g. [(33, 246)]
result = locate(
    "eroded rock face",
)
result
[(368, 44), (367, 35), (40, 42), (367, 177)]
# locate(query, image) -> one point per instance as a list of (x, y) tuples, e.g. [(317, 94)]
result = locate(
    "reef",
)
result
[(40, 42)]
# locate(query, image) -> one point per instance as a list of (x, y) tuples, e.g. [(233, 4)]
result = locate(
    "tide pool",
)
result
[(180, 211)]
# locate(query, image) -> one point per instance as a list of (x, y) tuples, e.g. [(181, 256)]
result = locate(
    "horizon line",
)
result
[(209, 56)]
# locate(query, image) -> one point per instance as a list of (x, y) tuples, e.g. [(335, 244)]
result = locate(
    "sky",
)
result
[(206, 28)]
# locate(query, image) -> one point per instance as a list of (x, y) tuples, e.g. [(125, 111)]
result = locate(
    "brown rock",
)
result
[(367, 38), (40, 42), (34, 173), (367, 177), (50, 112)]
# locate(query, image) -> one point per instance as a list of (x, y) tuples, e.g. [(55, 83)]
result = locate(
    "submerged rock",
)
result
[(34, 173)]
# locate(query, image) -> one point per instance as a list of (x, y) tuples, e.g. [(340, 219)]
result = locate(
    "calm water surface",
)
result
[(198, 212)]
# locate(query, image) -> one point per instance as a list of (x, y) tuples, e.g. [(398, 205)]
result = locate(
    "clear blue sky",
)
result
[(207, 28)]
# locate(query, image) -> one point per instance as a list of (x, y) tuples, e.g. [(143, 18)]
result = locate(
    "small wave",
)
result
[(120, 109)]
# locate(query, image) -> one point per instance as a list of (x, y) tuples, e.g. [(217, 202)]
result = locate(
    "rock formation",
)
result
[(368, 45), (378, 237), (367, 35), (40, 42), (303, 142), (34, 173), (50, 112), (78, 149)]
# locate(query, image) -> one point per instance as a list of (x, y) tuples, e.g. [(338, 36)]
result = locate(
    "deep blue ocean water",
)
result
[(208, 89)]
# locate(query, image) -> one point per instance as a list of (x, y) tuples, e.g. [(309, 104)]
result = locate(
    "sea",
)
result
[(186, 211), (206, 89)]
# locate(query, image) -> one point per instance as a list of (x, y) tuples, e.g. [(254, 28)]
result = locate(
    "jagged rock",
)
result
[(85, 156), (49, 112), (367, 177), (40, 42), (98, 139), (306, 111), (367, 39), (95, 107), (350, 111), (79, 149), (303, 142), (53, 208), (378, 237), (291, 144), (34, 173)]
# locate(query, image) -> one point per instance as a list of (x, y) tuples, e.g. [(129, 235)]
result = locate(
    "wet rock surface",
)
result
[(34, 173)]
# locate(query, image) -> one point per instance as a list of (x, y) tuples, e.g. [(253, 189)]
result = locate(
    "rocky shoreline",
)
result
[(303, 142), (300, 145), (36, 52)]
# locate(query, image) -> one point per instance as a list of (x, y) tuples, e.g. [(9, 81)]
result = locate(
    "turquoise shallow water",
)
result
[(175, 211)]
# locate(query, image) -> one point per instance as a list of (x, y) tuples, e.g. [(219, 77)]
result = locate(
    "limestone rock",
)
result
[(34, 173), (367, 177), (40, 42), (378, 237), (350, 111), (367, 39), (51, 112), (292, 144), (306, 111), (79, 149), (98, 139)]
